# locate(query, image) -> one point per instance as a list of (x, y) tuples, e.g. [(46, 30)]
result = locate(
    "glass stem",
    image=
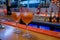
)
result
[(16, 31), (16, 25), (26, 28)]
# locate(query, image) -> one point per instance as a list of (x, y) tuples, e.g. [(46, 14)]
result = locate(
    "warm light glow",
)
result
[(1, 10), (54, 1)]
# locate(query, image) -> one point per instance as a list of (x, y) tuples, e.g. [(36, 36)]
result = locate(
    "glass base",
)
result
[(2, 27), (0, 39), (27, 35), (17, 31)]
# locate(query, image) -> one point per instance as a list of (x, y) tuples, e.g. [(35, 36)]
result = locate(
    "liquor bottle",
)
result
[(54, 19), (46, 17), (38, 11), (50, 18), (58, 18), (59, 15)]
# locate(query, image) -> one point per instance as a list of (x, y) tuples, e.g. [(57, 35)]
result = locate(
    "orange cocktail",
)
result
[(27, 17), (15, 17)]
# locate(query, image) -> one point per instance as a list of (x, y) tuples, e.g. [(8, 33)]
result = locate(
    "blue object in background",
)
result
[(33, 25), (41, 27), (34, 5), (44, 27), (57, 30)]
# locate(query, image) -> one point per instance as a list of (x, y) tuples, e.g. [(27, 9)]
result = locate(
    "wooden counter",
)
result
[(38, 34)]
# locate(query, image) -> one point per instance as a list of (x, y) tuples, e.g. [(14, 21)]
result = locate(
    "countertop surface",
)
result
[(9, 34)]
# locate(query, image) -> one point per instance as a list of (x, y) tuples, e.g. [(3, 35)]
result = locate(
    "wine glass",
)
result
[(27, 18), (16, 17)]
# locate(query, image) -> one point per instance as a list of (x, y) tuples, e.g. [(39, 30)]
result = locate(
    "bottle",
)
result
[(57, 18), (46, 17), (38, 11), (54, 19), (58, 5), (59, 15), (50, 18)]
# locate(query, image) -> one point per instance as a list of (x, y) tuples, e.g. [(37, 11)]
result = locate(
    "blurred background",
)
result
[(46, 12)]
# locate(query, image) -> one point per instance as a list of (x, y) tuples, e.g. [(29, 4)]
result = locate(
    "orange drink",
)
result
[(27, 17), (15, 16)]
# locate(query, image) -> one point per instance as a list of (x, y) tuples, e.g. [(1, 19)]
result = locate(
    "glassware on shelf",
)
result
[(27, 17)]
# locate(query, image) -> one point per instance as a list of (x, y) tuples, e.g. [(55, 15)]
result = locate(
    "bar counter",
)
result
[(38, 34)]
